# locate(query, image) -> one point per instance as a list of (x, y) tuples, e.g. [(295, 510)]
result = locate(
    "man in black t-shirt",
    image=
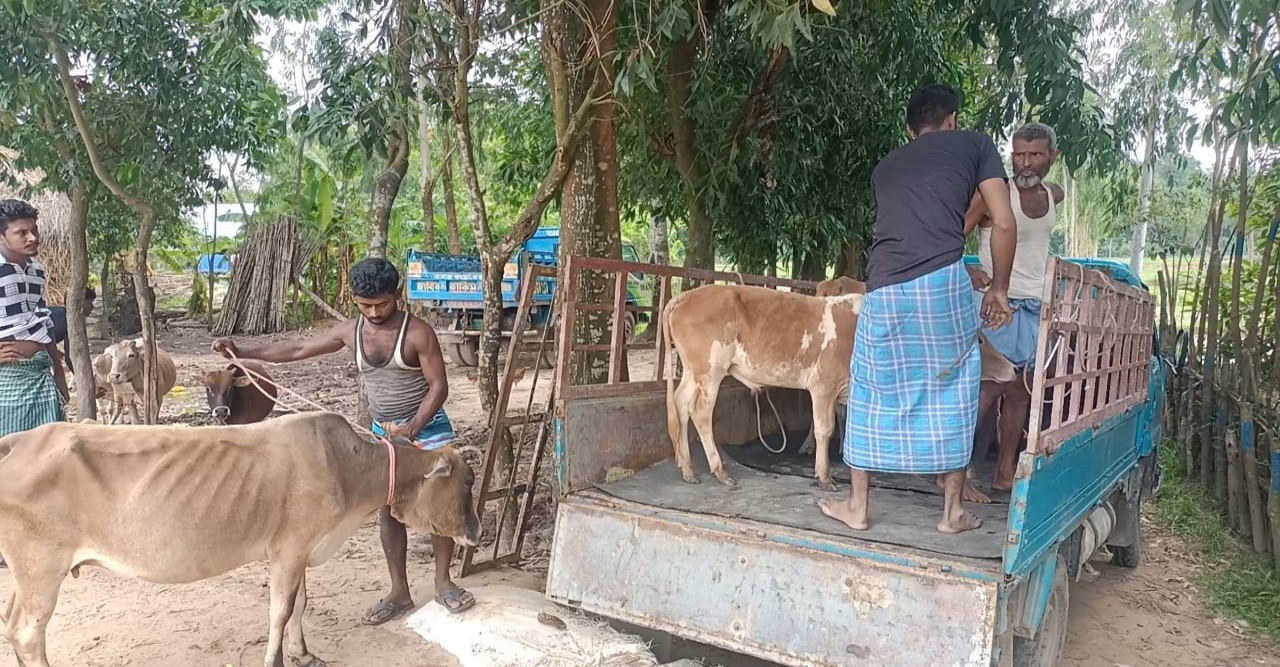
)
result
[(916, 369), (59, 316)]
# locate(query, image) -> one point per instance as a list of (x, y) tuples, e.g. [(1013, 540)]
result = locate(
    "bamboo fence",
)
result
[(1224, 385)]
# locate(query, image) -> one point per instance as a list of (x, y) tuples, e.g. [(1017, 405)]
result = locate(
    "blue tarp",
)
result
[(221, 264)]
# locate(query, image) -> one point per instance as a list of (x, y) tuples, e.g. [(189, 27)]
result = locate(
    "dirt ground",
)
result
[(1149, 616)]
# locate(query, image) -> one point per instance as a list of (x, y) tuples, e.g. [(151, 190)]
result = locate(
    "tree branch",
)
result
[(69, 90), (749, 112), (527, 222)]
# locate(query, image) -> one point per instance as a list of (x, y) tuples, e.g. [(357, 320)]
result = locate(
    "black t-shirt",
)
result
[(922, 191), (59, 316)]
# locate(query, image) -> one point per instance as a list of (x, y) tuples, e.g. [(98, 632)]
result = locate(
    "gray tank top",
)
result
[(395, 389)]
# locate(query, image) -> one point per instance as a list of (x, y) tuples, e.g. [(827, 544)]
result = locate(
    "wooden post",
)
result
[(1273, 504), (1235, 515), (1253, 492), (1218, 440)]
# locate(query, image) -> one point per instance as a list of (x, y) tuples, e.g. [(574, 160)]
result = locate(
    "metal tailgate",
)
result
[(789, 596)]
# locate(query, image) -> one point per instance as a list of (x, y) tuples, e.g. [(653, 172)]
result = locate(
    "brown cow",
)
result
[(763, 338), (233, 396), (172, 504)]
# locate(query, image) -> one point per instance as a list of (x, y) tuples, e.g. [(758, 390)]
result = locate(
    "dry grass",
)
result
[(55, 218)]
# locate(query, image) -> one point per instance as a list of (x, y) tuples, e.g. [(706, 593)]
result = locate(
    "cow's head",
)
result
[(218, 386), (444, 505), (995, 367), (126, 362)]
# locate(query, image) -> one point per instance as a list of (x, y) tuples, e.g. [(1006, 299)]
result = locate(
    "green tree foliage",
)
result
[(792, 109)]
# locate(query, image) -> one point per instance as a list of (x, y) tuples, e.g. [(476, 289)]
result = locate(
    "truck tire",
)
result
[(464, 353), (1045, 648), (629, 326)]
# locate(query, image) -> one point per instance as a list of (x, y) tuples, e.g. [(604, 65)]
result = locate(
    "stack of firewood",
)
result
[(266, 266)]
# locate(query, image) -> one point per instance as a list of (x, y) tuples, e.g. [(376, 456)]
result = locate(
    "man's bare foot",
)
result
[(1003, 481), (973, 494), (958, 524), (842, 512), (970, 494)]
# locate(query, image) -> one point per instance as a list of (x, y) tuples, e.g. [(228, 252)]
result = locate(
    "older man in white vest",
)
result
[(1034, 202)]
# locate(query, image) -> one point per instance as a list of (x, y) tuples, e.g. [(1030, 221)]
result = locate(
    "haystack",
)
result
[(55, 221)]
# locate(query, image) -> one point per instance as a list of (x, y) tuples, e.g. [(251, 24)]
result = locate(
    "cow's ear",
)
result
[(243, 381), (441, 469)]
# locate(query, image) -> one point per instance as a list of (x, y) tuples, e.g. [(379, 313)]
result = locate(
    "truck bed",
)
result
[(904, 508)]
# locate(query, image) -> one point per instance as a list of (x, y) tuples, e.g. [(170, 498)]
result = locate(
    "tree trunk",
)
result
[(700, 244), (849, 263), (446, 174), (428, 184), (148, 214), (589, 207), (386, 187), (660, 249), (77, 329), (1138, 251), (108, 294)]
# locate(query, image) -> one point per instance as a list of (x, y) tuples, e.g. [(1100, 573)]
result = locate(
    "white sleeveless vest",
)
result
[(1032, 255)]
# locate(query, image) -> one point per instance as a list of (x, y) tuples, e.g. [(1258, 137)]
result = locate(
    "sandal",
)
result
[(384, 611), (456, 600)]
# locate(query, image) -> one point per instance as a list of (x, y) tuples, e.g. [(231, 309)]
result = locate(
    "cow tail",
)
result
[(669, 369)]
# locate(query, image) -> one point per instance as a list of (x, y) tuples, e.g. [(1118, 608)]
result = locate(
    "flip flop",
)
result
[(384, 611), (457, 600)]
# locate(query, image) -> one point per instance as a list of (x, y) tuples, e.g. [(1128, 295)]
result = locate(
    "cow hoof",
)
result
[(307, 660), (828, 485), (728, 480), (691, 478)]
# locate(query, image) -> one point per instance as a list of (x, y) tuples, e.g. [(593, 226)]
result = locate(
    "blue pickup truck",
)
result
[(449, 287), (757, 569)]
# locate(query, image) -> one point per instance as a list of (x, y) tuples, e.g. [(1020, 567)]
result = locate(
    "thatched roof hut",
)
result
[(55, 220)]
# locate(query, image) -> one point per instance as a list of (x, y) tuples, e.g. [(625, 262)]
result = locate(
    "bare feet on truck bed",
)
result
[(970, 494), (958, 522), (844, 512)]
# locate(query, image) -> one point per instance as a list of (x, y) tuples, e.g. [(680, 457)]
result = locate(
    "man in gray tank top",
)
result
[(399, 360)]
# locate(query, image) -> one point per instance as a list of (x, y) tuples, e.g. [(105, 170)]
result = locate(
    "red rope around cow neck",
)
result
[(391, 448)]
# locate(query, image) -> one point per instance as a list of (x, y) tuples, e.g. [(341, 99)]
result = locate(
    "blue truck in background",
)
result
[(449, 287)]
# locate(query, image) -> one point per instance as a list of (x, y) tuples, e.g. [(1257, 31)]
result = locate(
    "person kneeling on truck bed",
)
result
[(916, 368), (1034, 202), (404, 381)]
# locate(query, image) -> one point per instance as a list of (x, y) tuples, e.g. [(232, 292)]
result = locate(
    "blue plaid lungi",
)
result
[(915, 376), (436, 434), (29, 396), (1017, 339)]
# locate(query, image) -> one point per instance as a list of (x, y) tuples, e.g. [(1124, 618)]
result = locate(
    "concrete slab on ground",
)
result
[(517, 627)]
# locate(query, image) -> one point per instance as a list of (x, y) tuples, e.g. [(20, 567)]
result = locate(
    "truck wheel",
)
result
[(1045, 648), (465, 353), (629, 326)]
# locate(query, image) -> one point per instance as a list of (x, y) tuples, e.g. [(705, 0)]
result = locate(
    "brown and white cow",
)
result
[(112, 398), (126, 368), (173, 504), (233, 396), (766, 338)]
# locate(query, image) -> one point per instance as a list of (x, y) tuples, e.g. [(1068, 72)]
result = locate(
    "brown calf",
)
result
[(234, 398), (766, 338)]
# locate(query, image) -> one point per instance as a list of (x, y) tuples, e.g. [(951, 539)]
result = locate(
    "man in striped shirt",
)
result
[(33, 385)]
